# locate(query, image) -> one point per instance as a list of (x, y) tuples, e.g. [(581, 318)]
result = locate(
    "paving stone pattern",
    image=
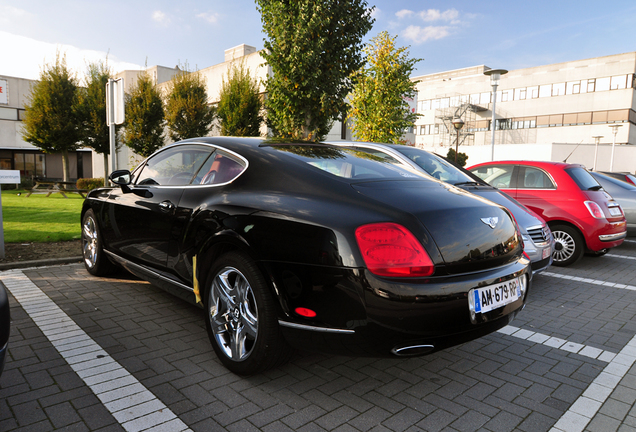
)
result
[(496, 383)]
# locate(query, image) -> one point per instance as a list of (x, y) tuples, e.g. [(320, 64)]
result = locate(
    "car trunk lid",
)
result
[(470, 233)]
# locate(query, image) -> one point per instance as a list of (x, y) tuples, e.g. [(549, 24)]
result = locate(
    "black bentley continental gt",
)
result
[(309, 246)]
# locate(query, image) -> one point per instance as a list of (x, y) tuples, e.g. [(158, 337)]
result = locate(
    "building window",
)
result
[(484, 98), (590, 85), (534, 92), (602, 84), (545, 90), (619, 82), (558, 89), (29, 164), (520, 94), (503, 124), (573, 87), (506, 95)]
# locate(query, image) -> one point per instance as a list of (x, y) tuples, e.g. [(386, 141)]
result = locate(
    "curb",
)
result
[(39, 263)]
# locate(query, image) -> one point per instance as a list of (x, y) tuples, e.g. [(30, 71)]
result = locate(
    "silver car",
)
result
[(537, 237), (623, 193)]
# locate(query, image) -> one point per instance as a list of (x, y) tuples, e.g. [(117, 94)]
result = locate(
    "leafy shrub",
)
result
[(89, 183)]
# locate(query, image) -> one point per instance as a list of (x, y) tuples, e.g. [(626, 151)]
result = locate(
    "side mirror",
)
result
[(120, 177)]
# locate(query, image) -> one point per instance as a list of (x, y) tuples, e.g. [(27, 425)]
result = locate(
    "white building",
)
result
[(15, 153), (543, 112)]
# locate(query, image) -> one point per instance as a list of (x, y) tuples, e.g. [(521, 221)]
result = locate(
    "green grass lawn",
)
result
[(39, 218)]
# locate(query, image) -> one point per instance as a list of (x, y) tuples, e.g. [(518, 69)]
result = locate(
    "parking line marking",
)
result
[(554, 342), (620, 256), (592, 281), (630, 241), (587, 405), (133, 405)]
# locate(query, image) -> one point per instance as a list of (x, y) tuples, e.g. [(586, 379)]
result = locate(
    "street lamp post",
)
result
[(458, 123), (597, 138), (614, 131), (495, 75)]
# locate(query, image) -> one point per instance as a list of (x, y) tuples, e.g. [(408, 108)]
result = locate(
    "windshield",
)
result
[(349, 163), (435, 166), (583, 179)]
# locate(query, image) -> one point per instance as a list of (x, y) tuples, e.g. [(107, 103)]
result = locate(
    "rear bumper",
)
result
[(612, 237), (398, 318)]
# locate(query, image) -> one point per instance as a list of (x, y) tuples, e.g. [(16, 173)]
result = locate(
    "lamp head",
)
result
[(495, 75), (458, 123)]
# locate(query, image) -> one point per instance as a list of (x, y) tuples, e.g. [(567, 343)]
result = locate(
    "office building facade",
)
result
[(543, 112)]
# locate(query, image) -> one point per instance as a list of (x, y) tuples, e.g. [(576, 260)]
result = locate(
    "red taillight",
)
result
[(389, 249), (308, 313), (595, 209)]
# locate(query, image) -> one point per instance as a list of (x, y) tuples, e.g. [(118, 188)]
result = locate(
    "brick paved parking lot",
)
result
[(90, 354)]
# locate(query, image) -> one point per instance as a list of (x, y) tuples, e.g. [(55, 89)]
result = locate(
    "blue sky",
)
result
[(448, 35)]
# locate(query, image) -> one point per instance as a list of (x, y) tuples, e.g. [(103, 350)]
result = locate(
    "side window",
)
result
[(499, 176), (218, 169), (174, 167), (535, 178)]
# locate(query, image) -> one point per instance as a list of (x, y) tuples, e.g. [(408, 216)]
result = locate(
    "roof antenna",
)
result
[(577, 146)]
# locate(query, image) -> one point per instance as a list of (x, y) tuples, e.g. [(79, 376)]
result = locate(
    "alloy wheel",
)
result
[(89, 242), (564, 247), (233, 314)]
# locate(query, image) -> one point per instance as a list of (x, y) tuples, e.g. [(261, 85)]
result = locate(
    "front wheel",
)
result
[(95, 260), (569, 245), (241, 317)]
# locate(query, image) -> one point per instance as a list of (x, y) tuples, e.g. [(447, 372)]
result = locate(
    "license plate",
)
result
[(615, 211), (545, 253), (497, 295)]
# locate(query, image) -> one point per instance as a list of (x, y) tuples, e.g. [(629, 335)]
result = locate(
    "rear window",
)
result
[(583, 179), (349, 163)]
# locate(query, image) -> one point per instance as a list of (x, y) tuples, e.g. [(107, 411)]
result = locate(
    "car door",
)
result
[(537, 190), (139, 219)]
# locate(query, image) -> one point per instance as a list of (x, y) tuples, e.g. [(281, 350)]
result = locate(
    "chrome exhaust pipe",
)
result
[(412, 350)]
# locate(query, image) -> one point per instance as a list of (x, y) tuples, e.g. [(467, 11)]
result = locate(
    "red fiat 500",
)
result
[(582, 216)]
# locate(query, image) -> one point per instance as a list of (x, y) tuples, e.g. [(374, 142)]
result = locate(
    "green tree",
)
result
[(51, 117), (313, 47), (187, 112), (92, 106), (143, 128), (462, 158), (240, 104), (379, 111)]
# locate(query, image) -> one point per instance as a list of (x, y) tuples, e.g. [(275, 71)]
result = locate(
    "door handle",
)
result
[(166, 206)]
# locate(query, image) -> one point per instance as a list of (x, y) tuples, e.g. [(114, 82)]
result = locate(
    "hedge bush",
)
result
[(89, 183)]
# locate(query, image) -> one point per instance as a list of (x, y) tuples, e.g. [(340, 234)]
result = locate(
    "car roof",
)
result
[(535, 163)]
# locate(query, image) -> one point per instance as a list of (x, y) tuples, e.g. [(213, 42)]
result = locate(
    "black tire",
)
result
[(569, 246), (95, 260), (241, 317)]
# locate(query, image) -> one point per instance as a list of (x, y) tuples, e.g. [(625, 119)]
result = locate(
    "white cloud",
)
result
[(160, 18), (404, 13), (16, 63), (435, 15), (9, 14), (419, 35), (211, 17)]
